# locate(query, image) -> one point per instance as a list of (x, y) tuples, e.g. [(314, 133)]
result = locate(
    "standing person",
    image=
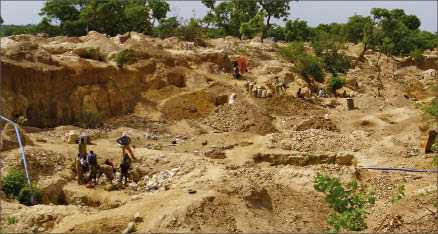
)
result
[(83, 147), (84, 163), (79, 170), (93, 166), (125, 165), (125, 141)]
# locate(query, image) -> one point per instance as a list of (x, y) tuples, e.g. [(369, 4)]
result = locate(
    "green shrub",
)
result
[(90, 118), (26, 192), (401, 191), (335, 63), (292, 52), (13, 182), (429, 110), (12, 220), (416, 55), (122, 58), (348, 203), (310, 66), (336, 83)]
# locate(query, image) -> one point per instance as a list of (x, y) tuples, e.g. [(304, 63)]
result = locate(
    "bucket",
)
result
[(254, 92), (250, 86), (259, 93), (269, 93), (263, 93), (350, 103)]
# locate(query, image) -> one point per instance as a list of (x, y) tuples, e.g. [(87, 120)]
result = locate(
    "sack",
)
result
[(89, 185)]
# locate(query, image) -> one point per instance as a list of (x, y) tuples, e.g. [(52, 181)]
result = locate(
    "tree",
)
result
[(209, 18), (371, 37), (137, 18), (60, 11), (354, 28), (159, 9), (166, 28), (336, 83), (254, 26), (273, 8), (229, 16), (297, 30)]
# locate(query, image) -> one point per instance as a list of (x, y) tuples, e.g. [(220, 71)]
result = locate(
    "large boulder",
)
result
[(9, 138), (71, 137)]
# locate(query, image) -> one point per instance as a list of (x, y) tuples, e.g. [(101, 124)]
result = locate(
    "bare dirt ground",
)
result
[(238, 158)]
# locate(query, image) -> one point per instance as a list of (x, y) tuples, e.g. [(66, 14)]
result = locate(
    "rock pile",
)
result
[(312, 140), (316, 123), (241, 116), (155, 181), (39, 162)]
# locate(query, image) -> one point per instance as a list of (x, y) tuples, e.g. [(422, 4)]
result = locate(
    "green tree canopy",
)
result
[(273, 9)]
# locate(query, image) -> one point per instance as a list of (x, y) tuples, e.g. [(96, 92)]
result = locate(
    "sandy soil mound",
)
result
[(288, 105), (317, 123), (189, 106), (241, 116)]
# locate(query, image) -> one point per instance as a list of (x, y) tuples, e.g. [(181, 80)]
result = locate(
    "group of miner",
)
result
[(87, 163)]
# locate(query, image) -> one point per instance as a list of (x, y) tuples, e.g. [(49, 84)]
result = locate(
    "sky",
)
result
[(314, 12)]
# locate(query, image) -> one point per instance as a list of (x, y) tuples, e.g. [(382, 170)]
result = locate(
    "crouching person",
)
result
[(108, 170)]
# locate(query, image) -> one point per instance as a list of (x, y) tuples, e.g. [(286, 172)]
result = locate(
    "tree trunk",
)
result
[(266, 28), (361, 55)]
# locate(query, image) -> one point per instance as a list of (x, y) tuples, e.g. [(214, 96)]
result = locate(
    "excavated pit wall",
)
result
[(49, 96)]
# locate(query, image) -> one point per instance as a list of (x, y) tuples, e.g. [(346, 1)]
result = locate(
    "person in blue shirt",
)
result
[(93, 166), (125, 141)]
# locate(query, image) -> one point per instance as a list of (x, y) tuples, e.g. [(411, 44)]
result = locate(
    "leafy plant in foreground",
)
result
[(13, 182), (401, 191), (349, 204)]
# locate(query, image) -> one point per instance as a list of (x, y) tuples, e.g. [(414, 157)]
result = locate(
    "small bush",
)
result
[(122, 58), (12, 220), (292, 52), (26, 192), (13, 182), (401, 191), (348, 203), (90, 118), (416, 55), (336, 83), (310, 66)]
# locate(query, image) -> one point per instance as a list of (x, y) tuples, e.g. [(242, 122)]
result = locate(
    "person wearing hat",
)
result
[(125, 141)]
